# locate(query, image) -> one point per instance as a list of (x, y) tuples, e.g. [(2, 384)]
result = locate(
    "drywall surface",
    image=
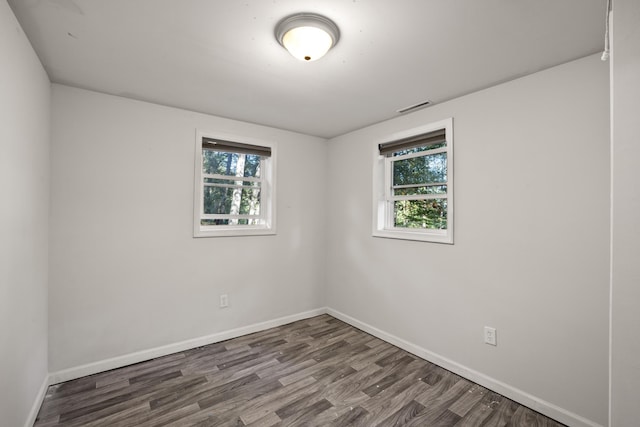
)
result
[(126, 272), (625, 375), (24, 185), (531, 250)]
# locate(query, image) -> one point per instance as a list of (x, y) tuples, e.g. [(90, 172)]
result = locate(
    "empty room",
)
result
[(337, 212)]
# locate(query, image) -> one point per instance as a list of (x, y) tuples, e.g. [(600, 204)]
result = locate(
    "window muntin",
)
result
[(414, 198), (234, 186)]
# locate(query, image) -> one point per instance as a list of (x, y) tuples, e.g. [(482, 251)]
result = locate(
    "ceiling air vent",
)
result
[(414, 107)]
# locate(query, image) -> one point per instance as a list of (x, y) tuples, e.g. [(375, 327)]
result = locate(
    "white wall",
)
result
[(24, 186), (625, 63), (126, 274), (531, 244)]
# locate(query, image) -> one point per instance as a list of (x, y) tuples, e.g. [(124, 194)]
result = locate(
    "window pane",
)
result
[(234, 164), (217, 200), (412, 191), (420, 170), (419, 149), (252, 166), (249, 202), (425, 214), (230, 201)]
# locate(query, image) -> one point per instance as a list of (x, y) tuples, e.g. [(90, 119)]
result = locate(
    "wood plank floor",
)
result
[(314, 372)]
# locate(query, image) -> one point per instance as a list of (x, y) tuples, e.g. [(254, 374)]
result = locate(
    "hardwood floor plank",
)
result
[(403, 416), (225, 391), (396, 372), (260, 407), (467, 401), (481, 410), (501, 414), (123, 418), (349, 391), (284, 369), (384, 405), (54, 407), (298, 405), (307, 371), (373, 351), (229, 407), (269, 420), (158, 364), (177, 396), (155, 377), (351, 417), (98, 407), (435, 407), (306, 414), (525, 417), (169, 417), (446, 419), (400, 356), (314, 372), (64, 390)]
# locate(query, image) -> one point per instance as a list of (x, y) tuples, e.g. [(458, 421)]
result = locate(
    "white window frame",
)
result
[(267, 217), (382, 193)]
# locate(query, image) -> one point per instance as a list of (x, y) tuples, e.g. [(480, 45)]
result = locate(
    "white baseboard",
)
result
[(141, 356), (37, 403), (522, 397)]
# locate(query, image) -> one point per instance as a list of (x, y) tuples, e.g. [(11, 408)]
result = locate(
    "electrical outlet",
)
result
[(490, 336), (224, 301)]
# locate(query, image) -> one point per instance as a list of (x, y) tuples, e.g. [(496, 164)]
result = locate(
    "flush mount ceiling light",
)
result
[(307, 36)]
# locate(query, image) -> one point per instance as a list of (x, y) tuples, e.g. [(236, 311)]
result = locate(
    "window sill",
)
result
[(421, 236), (234, 232)]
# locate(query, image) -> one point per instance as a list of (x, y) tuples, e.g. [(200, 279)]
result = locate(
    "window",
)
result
[(234, 187), (413, 185)]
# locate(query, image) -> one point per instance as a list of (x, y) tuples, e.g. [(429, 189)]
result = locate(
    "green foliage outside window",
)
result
[(415, 176), (233, 195), (430, 214)]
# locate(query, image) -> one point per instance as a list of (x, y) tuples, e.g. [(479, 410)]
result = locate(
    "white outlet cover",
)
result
[(224, 300), (490, 335)]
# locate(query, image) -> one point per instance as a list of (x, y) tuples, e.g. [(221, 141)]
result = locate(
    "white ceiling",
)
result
[(220, 56)]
